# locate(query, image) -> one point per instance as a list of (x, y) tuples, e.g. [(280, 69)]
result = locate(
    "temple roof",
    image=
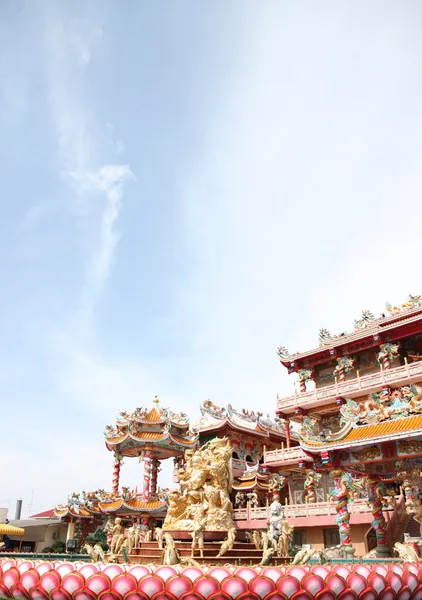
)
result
[(215, 417), (368, 434), (102, 503), (405, 314), (158, 429)]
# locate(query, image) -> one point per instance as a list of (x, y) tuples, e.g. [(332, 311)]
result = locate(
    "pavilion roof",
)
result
[(214, 417), (156, 428)]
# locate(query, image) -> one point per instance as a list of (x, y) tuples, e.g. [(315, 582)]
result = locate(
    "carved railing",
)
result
[(404, 373), (285, 456), (318, 509)]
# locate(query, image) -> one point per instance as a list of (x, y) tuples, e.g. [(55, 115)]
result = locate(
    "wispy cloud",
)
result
[(79, 147)]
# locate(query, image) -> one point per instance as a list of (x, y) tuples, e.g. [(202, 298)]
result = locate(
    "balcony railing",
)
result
[(285, 456), (294, 511), (405, 373)]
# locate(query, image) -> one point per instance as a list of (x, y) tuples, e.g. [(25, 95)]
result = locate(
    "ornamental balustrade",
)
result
[(319, 509), (404, 374), (285, 456)]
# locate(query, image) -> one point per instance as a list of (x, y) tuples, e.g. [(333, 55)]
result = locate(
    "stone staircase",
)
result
[(243, 553), (413, 528)]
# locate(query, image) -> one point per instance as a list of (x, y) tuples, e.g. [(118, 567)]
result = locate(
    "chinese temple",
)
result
[(357, 409)]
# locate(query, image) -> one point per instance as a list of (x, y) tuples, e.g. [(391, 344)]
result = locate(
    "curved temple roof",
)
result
[(215, 417), (158, 429)]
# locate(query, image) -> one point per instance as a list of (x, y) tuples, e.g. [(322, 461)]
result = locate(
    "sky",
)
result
[(186, 186)]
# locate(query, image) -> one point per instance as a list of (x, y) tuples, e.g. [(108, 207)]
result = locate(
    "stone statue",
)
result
[(159, 537), (130, 539), (227, 543), (117, 536), (285, 538), (275, 519)]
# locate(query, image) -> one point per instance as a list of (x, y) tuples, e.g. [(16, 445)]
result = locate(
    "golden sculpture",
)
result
[(203, 502), (283, 542), (117, 536)]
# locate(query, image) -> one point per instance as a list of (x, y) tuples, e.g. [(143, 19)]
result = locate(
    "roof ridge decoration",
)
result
[(367, 320), (213, 416)]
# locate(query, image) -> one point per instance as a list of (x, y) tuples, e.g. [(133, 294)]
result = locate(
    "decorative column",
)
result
[(376, 492), (341, 495), (155, 464), (146, 492), (344, 366), (116, 473), (287, 425), (387, 354), (304, 376)]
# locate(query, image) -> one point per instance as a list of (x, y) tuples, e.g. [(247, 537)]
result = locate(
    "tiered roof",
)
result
[(157, 428), (368, 331)]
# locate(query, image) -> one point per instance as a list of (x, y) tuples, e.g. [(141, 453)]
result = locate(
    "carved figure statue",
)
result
[(239, 500), (170, 555), (264, 541), (275, 519), (96, 553), (117, 536), (148, 536), (406, 553), (227, 543), (303, 556), (285, 538), (267, 556), (256, 538), (253, 499), (159, 536), (130, 539), (198, 530)]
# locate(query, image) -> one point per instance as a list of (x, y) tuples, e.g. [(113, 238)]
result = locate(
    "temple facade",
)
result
[(357, 410)]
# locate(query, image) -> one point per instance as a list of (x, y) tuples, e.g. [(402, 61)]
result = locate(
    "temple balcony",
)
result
[(286, 456), (352, 388), (318, 514)]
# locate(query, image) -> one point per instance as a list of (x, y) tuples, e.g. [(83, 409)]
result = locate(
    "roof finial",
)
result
[(156, 400)]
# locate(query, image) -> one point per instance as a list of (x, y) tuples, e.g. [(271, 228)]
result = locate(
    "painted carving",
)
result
[(410, 446), (344, 365), (324, 337), (304, 376), (387, 354), (385, 405), (412, 302), (344, 487), (367, 454), (283, 353), (312, 480), (366, 319), (376, 493)]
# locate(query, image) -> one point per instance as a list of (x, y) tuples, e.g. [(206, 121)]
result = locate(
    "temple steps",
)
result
[(240, 554), (413, 528)]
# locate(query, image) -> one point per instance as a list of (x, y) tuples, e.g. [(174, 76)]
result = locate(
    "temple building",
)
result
[(357, 409)]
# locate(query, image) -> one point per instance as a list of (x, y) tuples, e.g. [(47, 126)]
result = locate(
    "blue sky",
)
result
[(186, 186)]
